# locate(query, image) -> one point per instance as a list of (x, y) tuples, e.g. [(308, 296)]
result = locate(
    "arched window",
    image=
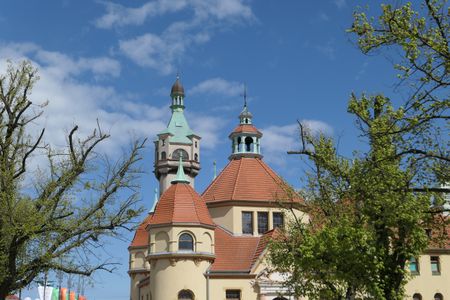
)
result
[(279, 298), (185, 295), (180, 152), (163, 155), (417, 296), (248, 144), (196, 157), (438, 296), (186, 242)]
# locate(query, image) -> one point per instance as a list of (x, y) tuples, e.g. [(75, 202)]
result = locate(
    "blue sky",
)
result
[(116, 61)]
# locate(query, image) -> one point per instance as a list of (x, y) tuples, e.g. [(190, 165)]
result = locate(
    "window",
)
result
[(180, 152), (186, 243), (233, 294), (417, 297), (185, 295), (163, 142), (413, 266), (263, 222), (278, 219), (279, 298), (247, 222), (435, 267), (196, 144), (163, 155), (438, 296), (248, 144), (196, 157)]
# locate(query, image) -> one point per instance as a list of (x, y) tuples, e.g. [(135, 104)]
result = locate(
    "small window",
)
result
[(438, 296), (233, 294), (180, 152), (278, 219), (435, 267), (263, 222), (163, 142), (185, 295), (196, 157), (196, 144), (163, 155), (186, 242), (413, 266), (417, 296), (247, 222)]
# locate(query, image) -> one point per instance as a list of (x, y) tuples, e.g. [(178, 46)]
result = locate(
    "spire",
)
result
[(180, 178), (177, 94), (155, 201), (245, 117)]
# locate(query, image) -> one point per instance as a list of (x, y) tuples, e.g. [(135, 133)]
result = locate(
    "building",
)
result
[(213, 246)]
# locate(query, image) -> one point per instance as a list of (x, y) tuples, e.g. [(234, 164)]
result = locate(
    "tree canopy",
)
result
[(371, 213), (53, 218)]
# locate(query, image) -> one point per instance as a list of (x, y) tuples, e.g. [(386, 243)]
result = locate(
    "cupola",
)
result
[(245, 138)]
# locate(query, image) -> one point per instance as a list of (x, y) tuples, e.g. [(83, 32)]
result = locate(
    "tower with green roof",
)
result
[(177, 140)]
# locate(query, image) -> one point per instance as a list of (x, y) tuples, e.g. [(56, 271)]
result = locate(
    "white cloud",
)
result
[(323, 17), (277, 140), (218, 86), (162, 51), (119, 15), (340, 3), (328, 49), (208, 128), (73, 100)]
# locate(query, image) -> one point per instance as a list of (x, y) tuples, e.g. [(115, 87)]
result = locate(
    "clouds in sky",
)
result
[(218, 86), (279, 139), (163, 51), (72, 100)]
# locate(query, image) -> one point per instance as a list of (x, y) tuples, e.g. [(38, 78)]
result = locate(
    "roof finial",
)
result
[(178, 74), (181, 178), (245, 95), (215, 170)]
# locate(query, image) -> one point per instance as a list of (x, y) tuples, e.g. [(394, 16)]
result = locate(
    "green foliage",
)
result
[(368, 213), (75, 200)]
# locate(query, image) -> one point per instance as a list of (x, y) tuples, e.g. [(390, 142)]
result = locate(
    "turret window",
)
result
[(185, 295), (163, 155), (186, 243), (196, 157), (417, 296), (438, 296), (248, 144), (180, 152)]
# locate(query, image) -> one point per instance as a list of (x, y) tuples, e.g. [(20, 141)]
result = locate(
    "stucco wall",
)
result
[(427, 284)]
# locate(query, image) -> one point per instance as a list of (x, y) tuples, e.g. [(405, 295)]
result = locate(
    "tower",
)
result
[(245, 138), (177, 140)]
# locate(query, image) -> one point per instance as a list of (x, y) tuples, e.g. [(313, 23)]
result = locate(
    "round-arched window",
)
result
[(163, 155), (180, 152), (185, 295), (438, 296), (417, 296), (196, 157), (186, 242)]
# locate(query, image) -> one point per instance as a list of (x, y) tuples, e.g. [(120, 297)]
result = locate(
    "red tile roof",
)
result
[(263, 242), (233, 253), (246, 128), (248, 179), (181, 204), (141, 235)]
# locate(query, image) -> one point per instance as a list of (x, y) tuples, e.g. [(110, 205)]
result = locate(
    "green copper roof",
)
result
[(178, 128), (180, 174)]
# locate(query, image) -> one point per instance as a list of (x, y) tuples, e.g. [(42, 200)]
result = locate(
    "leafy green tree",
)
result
[(55, 219), (369, 212)]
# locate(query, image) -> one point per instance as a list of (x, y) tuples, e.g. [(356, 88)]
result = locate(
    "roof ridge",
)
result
[(237, 176), (195, 206)]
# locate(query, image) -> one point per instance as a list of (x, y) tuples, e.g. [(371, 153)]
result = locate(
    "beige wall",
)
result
[(230, 217), (168, 278), (427, 284), (218, 288), (165, 239)]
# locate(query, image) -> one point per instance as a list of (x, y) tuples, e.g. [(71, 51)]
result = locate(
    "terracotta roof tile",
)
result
[(181, 204), (233, 253), (141, 235), (246, 128), (263, 242), (248, 179)]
